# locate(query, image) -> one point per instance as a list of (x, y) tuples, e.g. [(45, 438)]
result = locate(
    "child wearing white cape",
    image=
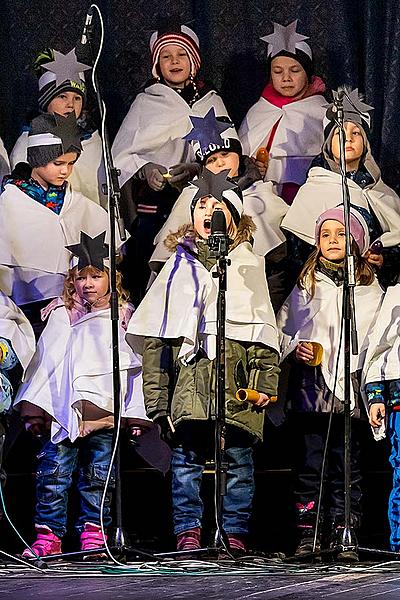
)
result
[(310, 327), (177, 319), (62, 90), (382, 388), (286, 122), (68, 387), (17, 345)]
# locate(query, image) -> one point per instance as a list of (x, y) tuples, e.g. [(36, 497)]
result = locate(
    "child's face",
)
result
[(202, 216), (288, 76), (66, 103), (219, 161), (91, 284), (332, 241), (56, 171), (174, 65), (354, 147)]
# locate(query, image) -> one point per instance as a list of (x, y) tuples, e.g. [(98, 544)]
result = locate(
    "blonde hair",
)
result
[(307, 278), (69, 284)]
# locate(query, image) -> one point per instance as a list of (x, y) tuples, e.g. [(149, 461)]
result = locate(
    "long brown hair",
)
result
[(308, 279), (69, 284)]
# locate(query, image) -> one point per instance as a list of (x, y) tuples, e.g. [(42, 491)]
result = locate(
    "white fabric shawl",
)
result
[(181, 303), (319, 320), (323, 190), (298, 138), (74, 363), (383, 356), (15, 327), (259, 202), (33, 257), (4, 162), (153, 129), (88, 174)]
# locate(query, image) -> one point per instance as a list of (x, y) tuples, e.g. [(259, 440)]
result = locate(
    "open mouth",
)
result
[(207, 225)]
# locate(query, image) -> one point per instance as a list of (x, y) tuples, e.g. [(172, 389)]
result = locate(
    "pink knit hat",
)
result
[(358, 225)]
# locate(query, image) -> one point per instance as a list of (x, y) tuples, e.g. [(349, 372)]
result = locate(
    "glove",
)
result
[(166, 433), (182, 173), (154, 176)]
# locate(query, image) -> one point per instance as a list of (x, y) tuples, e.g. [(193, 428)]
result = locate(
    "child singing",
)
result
[(177, 319)]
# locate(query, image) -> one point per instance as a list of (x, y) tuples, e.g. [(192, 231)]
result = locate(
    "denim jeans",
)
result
[(90, 457), (187, 471), (394, 498)]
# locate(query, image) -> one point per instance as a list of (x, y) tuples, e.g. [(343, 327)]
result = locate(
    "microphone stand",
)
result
[(119, 539), (350, 339), (350, 346), (219, 245)]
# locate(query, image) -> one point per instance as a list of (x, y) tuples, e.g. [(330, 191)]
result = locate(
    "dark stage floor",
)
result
[(196, 580)]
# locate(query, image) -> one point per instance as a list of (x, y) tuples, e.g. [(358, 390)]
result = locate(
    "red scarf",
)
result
[(317, 86)]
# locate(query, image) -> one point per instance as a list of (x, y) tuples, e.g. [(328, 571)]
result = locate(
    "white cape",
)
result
[(33, 257), (323, 190), (88, 174), (259, 202), (153, 129), (298, 137), (15, 327), (181, 303), (319, 320), (74, 363), (4, 162)]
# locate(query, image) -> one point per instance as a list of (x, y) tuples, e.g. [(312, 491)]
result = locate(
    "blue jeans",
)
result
[(187, 471), (90, 457), (394, 498)]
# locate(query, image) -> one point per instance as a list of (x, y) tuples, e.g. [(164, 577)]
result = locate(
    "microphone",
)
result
[(83, 48), (218, 240), (87, 28)]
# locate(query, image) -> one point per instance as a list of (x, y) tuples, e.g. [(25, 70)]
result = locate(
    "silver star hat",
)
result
[(286, 41), (51, 136), (354, 110), (58, 73)]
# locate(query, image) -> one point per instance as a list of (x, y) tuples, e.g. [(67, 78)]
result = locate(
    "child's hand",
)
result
[(377, 413), (263, 400), (304, 352), (376, 260)]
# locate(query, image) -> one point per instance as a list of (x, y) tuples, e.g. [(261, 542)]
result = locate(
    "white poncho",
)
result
[(73, 362), (318, 319), (182, 304), (153, 129)]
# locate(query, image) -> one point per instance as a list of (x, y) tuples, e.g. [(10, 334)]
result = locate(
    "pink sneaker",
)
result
[(91, 539), (46, 543), (189, 539), (237, 542)]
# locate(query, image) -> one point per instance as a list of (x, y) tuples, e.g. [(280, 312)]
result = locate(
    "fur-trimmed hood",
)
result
[(187, 236)]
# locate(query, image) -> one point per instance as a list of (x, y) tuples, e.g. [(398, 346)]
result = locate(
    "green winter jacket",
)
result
[(188, 392)]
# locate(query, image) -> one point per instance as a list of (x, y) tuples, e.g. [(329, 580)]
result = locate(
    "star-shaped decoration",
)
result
[(284, 38), (90, 251), (207, 130), (68, 131), (66, 67), (211, 184), (354, 108)]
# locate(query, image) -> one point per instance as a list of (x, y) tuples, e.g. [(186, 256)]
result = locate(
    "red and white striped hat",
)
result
[(185, 38)]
